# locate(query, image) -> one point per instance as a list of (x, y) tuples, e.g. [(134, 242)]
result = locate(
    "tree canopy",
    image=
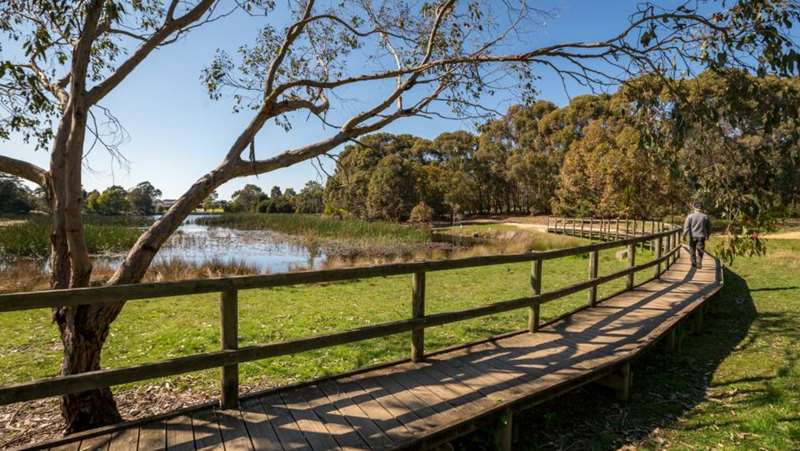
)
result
[(731, 142)]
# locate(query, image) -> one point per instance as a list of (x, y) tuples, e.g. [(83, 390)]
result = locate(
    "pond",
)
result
[(262, 250)]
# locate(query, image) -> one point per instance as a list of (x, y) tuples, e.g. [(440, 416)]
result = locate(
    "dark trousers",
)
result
[(697, 247)]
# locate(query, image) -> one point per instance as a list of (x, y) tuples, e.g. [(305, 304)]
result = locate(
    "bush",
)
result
[(421, 213)]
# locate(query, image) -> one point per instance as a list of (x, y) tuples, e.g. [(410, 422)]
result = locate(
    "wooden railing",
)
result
[(231, 355)]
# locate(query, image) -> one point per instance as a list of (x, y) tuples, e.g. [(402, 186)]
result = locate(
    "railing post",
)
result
[(583, 228), (418, 311), (593, 263), (616, 232), (536, 288), (229, 316), (659, 250), (631, 264)]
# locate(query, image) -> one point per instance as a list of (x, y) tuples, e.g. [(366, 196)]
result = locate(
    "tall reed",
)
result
[(320, 226), (32, 238)]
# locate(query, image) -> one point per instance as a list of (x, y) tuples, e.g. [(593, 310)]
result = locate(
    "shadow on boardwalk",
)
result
[(665, 386)]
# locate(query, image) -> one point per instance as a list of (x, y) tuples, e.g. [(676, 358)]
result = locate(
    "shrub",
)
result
[(421, 213)]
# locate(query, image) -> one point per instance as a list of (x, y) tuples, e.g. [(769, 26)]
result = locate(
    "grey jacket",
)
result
[(697, 225)]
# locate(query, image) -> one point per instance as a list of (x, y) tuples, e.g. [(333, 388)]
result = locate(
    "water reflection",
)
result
[(264, 250)]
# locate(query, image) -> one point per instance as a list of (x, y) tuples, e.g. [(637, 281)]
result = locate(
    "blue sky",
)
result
[(176, 133)]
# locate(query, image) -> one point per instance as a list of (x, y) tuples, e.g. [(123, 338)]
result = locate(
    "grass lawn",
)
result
[(736, 386)]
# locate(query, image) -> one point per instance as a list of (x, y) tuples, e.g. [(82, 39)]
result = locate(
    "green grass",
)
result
[(32, 237), (151, 330), (736, 386), (320, 226)]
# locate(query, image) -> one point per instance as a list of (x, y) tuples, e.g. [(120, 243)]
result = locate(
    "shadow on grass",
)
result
[(665, 386)]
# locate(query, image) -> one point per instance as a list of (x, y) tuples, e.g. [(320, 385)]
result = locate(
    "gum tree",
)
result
[(433, 58)]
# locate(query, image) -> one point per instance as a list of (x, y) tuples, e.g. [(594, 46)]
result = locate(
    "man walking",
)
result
[(698, 227)]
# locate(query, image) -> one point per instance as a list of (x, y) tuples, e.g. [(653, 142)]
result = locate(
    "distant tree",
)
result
[(310, 198), (90, 204), (112, 201), (15, 197), (143, 198), (246, 199), (392, 191)]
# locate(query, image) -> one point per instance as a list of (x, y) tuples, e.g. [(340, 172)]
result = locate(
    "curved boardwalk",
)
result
[(416, 404)]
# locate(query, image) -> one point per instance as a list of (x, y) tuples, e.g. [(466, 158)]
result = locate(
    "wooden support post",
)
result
[(631, 264), (620, 381), (659, 250), (583, 227), (680, 334), (594, 261), (229, 315), (671, 340), (616, 232), (418, 311), (698, 321), (505, 430), (536, 288), (669, 249)]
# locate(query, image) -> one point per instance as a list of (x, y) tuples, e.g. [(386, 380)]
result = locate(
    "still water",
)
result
[(266, 251)]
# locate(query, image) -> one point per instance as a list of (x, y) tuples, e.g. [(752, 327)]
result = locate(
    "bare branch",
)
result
[(169, 27), (25, 170)]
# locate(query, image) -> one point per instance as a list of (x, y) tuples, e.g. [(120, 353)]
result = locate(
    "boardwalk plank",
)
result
[(206, 430), (367, 428), (314, 431), (259, 426), (334, 420), (126, 439), (72, 446), (179, 433), (153, 436), (399, 402), (376, 411), (289, 434), (234, 433), (99, 443)]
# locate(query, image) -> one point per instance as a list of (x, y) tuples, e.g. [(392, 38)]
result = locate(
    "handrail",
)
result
[(230, 356)]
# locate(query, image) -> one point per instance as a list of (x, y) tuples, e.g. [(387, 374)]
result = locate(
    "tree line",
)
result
[(727, 138), (253, 199)]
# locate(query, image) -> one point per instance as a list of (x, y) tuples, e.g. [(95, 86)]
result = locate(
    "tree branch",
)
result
[(25, 170), (169, 27)]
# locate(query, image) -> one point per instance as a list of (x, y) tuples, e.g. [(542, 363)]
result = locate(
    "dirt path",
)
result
[(527, 226), (793, 235), (8, 222)]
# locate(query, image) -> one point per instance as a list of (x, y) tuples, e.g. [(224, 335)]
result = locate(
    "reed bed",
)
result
[(32, 238), (318, 226)]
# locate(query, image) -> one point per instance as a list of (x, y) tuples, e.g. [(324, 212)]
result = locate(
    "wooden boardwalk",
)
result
[(410, 404)]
